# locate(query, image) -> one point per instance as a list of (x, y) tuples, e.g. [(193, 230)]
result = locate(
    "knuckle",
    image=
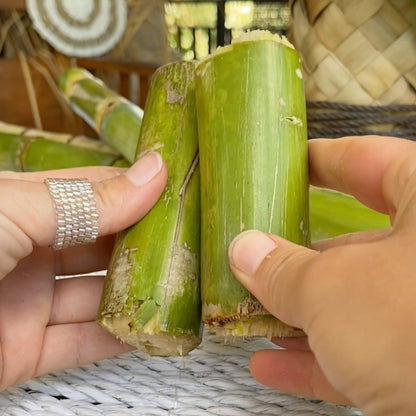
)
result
[(18, 246), (108, 199), (105, 195), (78, 345)]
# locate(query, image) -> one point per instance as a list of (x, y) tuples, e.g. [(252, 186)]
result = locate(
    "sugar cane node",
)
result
[(76, 212), (116, 119)]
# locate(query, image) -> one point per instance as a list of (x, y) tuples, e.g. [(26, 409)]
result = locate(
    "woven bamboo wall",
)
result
[(359, 52)]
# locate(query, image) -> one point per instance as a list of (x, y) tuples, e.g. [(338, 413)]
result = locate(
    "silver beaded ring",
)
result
[(76, 212)]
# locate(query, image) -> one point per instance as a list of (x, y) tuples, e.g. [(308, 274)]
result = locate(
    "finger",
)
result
[(124, 200), (25, 305), (366, 167), (76, 300), (299, 344), (28, 218), (92, 173), (352, 238), (286, 278), (294, 372), (84, 259), (77, 344)]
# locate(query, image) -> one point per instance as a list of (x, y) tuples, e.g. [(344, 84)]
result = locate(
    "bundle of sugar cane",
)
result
[(151, 297), (23, 149), (116, 119), (254, 173), (254, 168)]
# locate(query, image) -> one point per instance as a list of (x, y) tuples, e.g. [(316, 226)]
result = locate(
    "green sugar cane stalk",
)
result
[(254, 169), (151, 297), (36, 153), (334, 213), (116, 119), (67, 138)]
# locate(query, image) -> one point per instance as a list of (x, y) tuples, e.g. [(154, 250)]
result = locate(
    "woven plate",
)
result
[(213, 380), (81, 28), (355, 51)]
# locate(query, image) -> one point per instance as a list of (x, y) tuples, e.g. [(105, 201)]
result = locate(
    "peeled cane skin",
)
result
[(151, 298), (254, 169)]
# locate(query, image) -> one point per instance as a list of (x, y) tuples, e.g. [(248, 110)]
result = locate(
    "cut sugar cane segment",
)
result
[(151, 297), (254, 169), (116, 119), (32, 150)]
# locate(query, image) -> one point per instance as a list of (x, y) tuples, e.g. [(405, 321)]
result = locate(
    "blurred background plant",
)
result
[(195, 28)]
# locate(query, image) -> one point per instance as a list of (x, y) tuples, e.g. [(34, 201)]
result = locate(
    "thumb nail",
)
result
[(249, 249), (145, 169)]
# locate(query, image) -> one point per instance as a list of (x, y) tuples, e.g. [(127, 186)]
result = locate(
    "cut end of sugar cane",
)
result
[(159, 315), (250, 320), (253, 36), (246, 324), (254, 169), (260, 35), (150, 339)]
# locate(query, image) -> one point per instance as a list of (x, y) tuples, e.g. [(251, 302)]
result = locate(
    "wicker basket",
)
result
[(360, 52)]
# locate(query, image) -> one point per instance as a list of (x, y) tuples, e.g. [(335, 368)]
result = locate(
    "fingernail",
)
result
[(145, 169), (249, 249)]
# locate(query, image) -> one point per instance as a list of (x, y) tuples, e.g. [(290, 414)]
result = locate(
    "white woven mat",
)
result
[(213, 380)]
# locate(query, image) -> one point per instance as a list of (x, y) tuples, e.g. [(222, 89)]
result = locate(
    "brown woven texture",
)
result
[(359, 52), (332, 120)]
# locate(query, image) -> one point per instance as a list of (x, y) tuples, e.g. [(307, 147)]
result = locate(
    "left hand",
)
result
[(48, 324)]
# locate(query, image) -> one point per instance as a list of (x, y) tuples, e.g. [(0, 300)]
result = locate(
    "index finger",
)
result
[(373, 169), (93, 173)]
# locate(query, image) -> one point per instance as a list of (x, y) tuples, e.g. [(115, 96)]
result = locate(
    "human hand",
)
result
[(48, 324), (354, 295)]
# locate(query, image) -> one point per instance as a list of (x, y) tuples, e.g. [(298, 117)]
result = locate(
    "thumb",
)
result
[(27, 215), (277, 272)]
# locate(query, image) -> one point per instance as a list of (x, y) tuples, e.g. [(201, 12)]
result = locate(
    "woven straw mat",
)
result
[(359, 52), (213, 380)]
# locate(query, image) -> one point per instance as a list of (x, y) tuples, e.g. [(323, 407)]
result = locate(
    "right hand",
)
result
[(353, 296)]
